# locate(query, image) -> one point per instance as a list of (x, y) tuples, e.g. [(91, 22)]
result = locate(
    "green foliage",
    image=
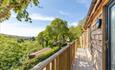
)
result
[(77, 31), (18, 6), (55, 34), (14, 54), (32, 62), (14, 51)]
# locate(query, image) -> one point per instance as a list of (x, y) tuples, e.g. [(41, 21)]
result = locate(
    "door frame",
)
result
[(108, 34)]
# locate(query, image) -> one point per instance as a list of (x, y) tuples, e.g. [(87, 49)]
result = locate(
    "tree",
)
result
[(18, 6), (41, 39), (13, 54), (55, 34), (77, 31)]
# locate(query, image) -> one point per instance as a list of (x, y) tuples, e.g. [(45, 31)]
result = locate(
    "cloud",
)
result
[(36, 16), (73, 24), (19, 29), (13, 15), (64, 13), (41, 17), (84, 2)]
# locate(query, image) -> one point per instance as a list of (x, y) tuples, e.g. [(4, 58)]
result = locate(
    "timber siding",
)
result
[(96, 36)]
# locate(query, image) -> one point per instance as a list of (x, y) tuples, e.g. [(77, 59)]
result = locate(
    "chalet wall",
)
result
[(96, 47), (96, 36), (96, 42)]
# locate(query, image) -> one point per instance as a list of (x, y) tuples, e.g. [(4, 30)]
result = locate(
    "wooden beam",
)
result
[(96, 11)]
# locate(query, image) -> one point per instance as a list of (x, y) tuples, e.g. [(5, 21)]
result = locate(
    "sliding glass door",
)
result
[(113, 37)]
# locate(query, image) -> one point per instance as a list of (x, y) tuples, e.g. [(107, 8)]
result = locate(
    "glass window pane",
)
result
[(113, 37)]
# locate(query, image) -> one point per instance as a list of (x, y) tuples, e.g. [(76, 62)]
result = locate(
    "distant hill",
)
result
[(18, 37)]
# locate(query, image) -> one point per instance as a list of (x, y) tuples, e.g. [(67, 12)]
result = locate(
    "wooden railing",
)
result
[(62, 60)]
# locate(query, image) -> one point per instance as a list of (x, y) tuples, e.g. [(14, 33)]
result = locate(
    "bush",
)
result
[(14, 54), (32, 62)]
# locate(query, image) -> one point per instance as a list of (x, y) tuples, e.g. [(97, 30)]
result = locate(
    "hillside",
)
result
[(17, 37)]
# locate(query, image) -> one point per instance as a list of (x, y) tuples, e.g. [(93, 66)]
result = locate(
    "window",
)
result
[(113, 37)]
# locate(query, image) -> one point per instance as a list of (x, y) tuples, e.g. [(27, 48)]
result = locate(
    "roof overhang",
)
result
[(94, 7)]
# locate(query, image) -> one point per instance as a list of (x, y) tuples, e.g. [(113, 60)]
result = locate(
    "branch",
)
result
[(3, 15)]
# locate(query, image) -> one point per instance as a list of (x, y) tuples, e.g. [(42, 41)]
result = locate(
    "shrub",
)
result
[(32, 62)]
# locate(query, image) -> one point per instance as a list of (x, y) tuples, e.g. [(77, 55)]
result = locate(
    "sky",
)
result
[(70, 10)]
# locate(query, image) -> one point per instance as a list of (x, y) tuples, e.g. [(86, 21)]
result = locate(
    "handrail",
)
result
[(63, 57), (44, 63)]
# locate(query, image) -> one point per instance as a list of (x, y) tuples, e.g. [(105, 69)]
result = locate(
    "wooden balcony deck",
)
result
[(83, 60), (68, 58)]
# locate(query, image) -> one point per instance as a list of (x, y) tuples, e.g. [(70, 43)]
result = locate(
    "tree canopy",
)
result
[(57, 33), (77, 30), (18, 6)]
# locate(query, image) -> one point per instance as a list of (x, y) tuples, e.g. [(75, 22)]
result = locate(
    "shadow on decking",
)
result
[(82, 62)]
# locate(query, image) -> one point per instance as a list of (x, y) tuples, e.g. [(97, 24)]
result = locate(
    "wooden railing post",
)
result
[(61, 61), (54, 64), (68, 59), (48, 67), (73, 47), (71, 56), (57, 63), (65, 58)]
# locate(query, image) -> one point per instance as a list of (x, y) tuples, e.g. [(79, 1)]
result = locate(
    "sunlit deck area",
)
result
[(83, 60), (68, 58)]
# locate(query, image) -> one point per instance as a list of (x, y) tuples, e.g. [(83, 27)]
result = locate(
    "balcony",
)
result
[(68, 58)]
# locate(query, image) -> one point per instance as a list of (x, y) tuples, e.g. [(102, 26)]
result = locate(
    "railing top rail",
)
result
[(44, 63)]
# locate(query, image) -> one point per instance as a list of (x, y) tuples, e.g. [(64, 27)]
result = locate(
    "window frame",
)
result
[(108, 33)]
